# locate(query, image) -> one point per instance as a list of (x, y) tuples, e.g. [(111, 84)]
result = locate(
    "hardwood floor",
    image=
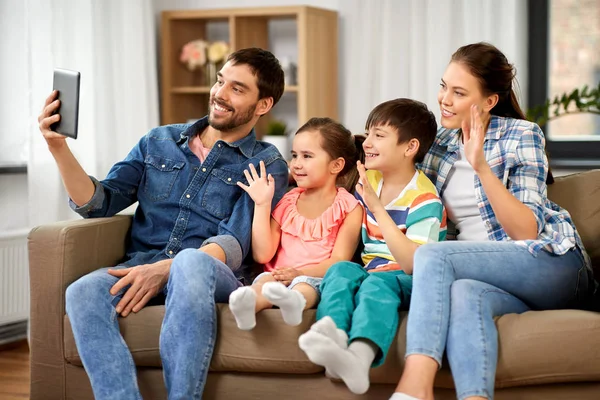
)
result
[(14, 371)]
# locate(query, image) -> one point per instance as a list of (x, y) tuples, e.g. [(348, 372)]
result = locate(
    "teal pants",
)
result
[(365, 305)]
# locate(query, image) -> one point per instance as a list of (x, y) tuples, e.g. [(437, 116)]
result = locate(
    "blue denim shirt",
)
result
[(184, 203)]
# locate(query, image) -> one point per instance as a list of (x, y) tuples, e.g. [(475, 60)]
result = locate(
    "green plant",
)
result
[(276, 128), (576, 102)]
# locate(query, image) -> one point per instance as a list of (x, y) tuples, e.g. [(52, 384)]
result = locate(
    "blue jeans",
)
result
[(187, 336), (458, 289)]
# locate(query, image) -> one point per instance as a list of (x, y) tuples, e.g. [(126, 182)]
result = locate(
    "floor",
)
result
[(14, 371)]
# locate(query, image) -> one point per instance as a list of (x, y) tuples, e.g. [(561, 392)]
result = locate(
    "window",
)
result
[(564, 54), (14, 79)]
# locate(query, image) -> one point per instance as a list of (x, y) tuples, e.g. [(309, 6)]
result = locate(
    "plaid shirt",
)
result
[(514, 149)]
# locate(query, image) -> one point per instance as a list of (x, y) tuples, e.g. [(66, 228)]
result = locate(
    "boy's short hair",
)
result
[(411, 119), (266, 67)]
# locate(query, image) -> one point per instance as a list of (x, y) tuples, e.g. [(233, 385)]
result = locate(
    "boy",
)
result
[(357, 317)]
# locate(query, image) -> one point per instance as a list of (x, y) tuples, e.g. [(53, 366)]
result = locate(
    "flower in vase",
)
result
[(193, 54), (217, 51)]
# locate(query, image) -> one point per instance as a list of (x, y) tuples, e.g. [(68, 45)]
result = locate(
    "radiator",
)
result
[(14, 286)]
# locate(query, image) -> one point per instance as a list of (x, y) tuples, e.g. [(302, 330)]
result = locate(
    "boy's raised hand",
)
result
[(365, 190), (261, 188)]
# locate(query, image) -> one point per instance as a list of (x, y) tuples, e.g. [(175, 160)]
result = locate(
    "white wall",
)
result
[(13, 114), (13, 78), (13, 202), (161, 5)]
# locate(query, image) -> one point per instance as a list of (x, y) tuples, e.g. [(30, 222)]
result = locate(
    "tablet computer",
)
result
[(67, 84)]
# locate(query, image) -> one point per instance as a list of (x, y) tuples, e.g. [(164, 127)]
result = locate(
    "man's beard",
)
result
[(236, 120)]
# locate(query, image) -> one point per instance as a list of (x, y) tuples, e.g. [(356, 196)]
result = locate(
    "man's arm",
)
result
[(78, 184), (91, 198), (213, 249)]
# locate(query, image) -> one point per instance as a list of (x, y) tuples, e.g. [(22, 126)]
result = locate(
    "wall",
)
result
[(13, 202), (161, 5)]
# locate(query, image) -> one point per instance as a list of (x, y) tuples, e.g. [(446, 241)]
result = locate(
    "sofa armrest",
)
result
[(59, 254)]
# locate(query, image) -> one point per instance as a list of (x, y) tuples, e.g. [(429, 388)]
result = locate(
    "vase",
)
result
[(211, 74), (282, 144)]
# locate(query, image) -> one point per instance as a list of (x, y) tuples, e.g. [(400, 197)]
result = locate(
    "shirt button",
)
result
[(219, 145), (162, 166), (174, 239), (170, 251), (228, 179), (203, 169), (187, 195)]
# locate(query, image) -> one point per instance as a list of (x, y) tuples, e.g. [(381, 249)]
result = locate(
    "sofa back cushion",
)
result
[(580, 195)]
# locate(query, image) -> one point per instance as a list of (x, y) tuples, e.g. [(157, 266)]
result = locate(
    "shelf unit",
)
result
[(184, 93)]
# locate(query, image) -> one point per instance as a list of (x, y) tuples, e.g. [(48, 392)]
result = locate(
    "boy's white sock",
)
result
[(242, 303), (402, 396), (327, 327), (352, 365), (290, 302)]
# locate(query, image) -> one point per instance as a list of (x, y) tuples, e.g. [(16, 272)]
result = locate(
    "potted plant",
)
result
[(276, 134), (578, 101)]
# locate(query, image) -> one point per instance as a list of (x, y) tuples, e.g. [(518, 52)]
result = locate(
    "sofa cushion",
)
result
[(141, 332), (270, 347), (580, 195), (534, 347)]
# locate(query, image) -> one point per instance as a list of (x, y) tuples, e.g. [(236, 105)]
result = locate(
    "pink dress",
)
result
[(307, 241)]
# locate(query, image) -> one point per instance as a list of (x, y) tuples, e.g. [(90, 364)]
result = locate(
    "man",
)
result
[(190, 232)]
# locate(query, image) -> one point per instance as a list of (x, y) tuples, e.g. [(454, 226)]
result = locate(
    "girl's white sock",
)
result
[(402, 396), (290, 302), (242, 303)]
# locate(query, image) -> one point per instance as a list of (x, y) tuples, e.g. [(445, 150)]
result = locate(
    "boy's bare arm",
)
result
[(402, 248)]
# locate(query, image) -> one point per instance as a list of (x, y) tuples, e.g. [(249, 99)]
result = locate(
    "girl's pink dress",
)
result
[(307, 241)]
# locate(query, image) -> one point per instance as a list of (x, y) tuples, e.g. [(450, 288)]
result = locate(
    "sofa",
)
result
[(542, 354)]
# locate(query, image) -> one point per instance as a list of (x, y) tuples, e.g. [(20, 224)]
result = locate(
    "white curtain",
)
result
[(400, 48), (112, 44)]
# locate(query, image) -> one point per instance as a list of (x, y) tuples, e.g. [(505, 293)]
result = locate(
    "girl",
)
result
[(514, 246), (312, 227)]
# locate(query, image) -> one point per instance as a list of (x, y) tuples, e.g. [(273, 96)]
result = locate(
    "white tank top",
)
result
[(461, 203)]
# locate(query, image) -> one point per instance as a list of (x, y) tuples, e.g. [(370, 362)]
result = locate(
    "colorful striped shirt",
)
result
[(514, 149), (417, 212)]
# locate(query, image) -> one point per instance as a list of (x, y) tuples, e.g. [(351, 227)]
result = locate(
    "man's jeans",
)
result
[(458, 289), (187, 336)]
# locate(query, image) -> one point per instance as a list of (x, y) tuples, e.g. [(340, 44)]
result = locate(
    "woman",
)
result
[(514, 247)]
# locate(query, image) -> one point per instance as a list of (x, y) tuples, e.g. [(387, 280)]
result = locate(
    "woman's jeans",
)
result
[(458, 289), (187, 336)]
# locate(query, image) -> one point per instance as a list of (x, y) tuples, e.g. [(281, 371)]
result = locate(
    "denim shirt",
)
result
[(183, 202)]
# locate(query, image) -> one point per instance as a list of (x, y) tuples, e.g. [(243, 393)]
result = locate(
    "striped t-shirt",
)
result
[(417, 211)]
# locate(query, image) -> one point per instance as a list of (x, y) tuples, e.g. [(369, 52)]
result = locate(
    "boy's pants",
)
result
[(365, 304)]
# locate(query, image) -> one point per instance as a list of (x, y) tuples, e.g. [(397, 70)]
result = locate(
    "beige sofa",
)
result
[(543, 355)]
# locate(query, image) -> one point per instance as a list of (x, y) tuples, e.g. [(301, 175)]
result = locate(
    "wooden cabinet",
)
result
[(311, 33)]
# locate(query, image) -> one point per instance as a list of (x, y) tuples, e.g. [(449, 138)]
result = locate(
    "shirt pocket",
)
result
[(160, 175), (222, 192)]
